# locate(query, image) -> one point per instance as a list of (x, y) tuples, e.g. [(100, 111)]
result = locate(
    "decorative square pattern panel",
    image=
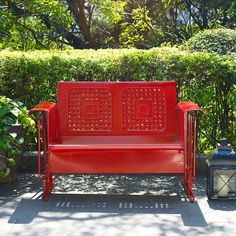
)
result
[(89, 109), (144, 109)]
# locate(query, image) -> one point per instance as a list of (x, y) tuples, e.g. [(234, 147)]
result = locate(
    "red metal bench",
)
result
[(117, 128)]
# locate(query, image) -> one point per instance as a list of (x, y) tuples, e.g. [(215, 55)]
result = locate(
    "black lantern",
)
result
[(221, 172)]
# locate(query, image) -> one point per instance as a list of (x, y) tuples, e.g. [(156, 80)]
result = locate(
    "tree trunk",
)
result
[(225, 109), (77, 9)]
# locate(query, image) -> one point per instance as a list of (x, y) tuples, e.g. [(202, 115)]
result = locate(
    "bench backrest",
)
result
[(117, 108)]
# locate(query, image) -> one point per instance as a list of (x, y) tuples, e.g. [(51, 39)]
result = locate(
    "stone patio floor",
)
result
[(112, 205)]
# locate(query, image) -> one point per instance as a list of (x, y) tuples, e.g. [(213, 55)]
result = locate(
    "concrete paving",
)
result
[(112, 205)]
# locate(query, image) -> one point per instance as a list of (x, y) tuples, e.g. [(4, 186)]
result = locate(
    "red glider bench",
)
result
[(117, 128)]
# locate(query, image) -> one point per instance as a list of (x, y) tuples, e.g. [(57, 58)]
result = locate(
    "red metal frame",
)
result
[(46, 121), (39, 145), (117, 128), (187, 116)]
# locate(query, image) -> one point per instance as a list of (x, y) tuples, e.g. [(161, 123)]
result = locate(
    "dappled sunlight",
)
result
[(26, 182), (110, 204), (119, 184), (87, 206)]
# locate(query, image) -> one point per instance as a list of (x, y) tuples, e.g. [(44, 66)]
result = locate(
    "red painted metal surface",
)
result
[(118, 128), (116, 108), (187, 126), (117, 161), (39, 146)]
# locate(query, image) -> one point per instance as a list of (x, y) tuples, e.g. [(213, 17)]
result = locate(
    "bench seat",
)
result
[(113, 154), (117, 142), (64, 147)]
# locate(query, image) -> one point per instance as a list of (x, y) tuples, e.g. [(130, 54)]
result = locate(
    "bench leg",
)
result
[(188, 183), (188, 189), (190, 155), (48, 184)]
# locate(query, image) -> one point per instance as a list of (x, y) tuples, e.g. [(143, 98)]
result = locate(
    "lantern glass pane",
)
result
[(224, 183)]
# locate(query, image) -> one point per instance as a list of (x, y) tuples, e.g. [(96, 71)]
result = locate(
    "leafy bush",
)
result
[(207, 79), (221, 41), (11, 114)]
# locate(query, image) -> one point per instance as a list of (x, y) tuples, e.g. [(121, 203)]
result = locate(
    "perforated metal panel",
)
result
[(89, 109), (144, 109)]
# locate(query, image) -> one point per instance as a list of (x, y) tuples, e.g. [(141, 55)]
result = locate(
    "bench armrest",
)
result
[(183, 109), (49, 110), (188, 106), (43, 106)]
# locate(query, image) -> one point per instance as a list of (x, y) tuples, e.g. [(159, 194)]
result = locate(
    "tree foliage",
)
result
[(43, 24), (33, 24)]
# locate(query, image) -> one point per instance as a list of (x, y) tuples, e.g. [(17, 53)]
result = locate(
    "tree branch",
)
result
[(30, 30), (196, 19), (73, 40)]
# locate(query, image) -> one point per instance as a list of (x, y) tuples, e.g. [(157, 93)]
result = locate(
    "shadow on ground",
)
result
[(223, 205), (28, 209), (26, 183), (115, 195)]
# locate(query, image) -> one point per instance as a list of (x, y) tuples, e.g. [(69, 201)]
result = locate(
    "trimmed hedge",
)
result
[(207, 79)]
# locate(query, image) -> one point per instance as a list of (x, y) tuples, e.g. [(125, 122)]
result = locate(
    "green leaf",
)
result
[(20, 141), (4, 174), (3, 99), (15, 111), (12, 162), (8, 121), (3, 110), (3, 145), (13, 134)]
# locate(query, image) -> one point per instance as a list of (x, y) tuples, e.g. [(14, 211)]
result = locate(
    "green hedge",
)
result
[(221, 41), (207, 79)]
